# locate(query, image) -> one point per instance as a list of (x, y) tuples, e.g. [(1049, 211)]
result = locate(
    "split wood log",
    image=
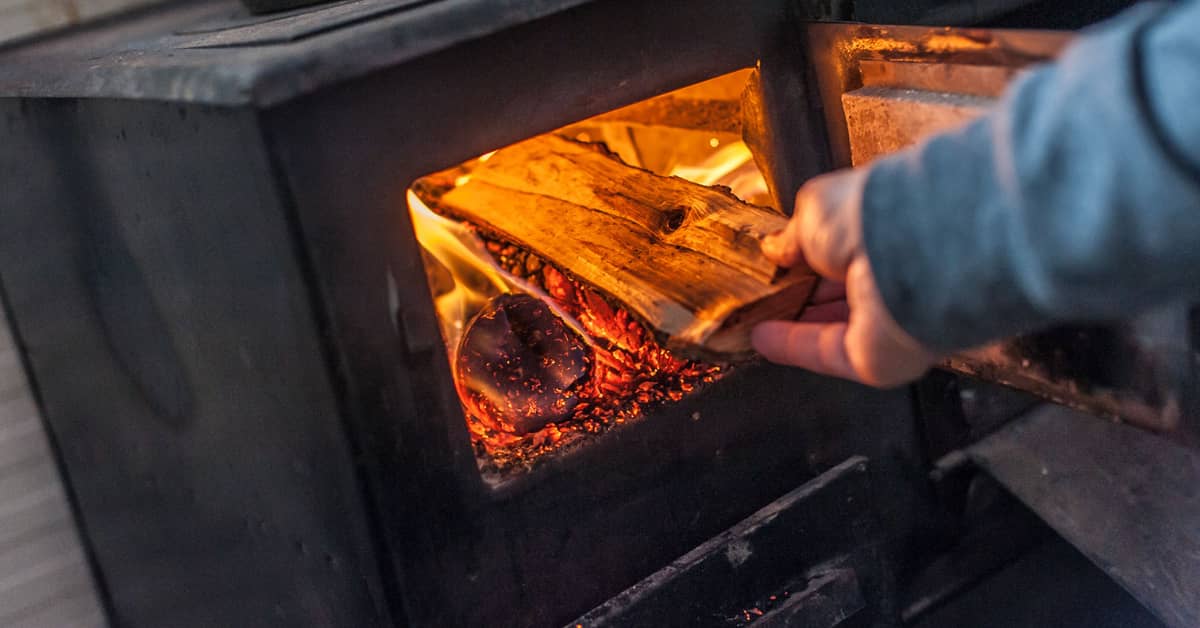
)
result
[(682, 257)]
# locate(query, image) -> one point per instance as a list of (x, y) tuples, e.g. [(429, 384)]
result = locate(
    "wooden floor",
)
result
[(44, 578)]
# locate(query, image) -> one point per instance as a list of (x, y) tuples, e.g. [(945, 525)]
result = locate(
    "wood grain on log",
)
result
[(682, 257)]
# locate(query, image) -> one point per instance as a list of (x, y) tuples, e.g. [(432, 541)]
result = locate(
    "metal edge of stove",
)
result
[(309, 21), (45, 576), (117, 62), (789, 558), (272, 6)]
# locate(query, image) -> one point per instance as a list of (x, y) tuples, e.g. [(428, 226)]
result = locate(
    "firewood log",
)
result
[(683, 258)]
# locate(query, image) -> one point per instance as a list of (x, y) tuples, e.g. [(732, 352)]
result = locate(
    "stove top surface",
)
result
[(218, 52)]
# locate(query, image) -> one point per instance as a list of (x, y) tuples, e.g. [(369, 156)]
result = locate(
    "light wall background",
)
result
[(26, 18)]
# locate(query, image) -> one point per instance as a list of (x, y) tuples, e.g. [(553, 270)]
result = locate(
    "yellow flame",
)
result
[(476, 275), (731, 165)]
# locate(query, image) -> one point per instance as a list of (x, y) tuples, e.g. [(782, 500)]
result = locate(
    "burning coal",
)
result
[(520, 366)]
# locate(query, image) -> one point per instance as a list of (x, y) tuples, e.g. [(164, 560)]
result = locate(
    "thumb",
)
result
[(880, 352), (785, 247), (825, 231)]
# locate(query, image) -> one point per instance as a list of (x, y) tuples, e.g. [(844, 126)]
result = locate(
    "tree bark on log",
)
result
[(683, 258)]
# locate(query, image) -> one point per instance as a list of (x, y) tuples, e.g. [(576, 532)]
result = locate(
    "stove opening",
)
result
[(543, 362)]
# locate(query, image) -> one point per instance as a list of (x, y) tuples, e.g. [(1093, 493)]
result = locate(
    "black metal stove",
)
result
[(205, 250)]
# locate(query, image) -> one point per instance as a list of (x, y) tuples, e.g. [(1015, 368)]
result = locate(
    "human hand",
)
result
[(846, 331)]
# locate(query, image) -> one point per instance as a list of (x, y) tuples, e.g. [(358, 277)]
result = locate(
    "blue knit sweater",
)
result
[(1076, 198)]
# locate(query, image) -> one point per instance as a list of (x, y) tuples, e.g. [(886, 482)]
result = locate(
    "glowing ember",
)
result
[(630, 372), (520, 366)]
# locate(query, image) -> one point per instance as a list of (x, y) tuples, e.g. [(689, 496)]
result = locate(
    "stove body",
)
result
[(215, 285)]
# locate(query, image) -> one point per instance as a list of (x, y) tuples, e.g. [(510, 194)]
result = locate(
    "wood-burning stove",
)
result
[(213, 274)]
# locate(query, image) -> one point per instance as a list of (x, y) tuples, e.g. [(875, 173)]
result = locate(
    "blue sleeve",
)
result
[(1076, 198)]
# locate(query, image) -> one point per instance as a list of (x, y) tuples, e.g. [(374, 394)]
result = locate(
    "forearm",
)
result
[(1078, 197)]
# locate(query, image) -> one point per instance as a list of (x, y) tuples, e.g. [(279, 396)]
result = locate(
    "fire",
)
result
[(548, 404), (730, 165), (541, 362), (464, 277)]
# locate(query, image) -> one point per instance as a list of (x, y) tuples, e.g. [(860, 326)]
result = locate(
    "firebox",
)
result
[(544, 360), (295, 377)]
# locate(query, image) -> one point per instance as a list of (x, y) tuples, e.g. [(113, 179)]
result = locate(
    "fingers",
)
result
[(881, 353), (837, 349), (856, 339), (824, 231), (828, 215), (817, 347), (835, 312), (785, 247), (846, 331), (828, 291)]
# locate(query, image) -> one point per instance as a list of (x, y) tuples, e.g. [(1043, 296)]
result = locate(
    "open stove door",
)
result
[(1124, 497), (882, 88)]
